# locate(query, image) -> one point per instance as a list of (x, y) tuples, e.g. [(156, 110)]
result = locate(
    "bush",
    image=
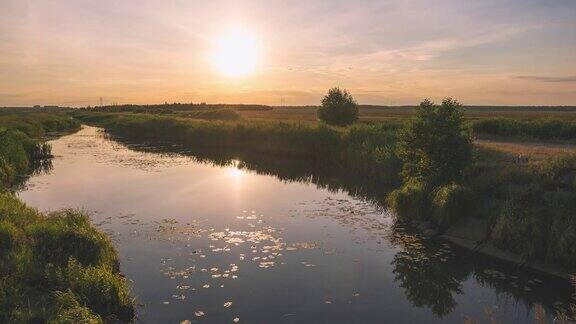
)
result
[(435, 147), (451, 202), (410, 201), (338, 108)]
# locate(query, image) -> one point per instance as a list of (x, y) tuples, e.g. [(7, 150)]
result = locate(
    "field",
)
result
[(383, 113)]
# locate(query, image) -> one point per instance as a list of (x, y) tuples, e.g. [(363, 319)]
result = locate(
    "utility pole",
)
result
[(101, 102)]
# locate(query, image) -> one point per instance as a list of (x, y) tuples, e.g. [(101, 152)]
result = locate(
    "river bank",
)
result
[(54, 267)]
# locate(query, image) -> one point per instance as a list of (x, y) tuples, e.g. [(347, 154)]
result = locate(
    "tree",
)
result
[(338, 108), (435, 147)]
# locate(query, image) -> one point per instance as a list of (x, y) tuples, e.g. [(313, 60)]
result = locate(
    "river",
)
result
[(222, 244)]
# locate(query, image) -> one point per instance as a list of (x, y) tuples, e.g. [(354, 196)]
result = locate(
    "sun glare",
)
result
[(236, 54)]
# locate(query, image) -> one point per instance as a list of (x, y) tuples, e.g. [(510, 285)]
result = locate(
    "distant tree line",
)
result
[(168, 108)]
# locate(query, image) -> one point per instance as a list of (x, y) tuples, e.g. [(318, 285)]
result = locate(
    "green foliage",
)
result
[(450, 203), (9, 237), (34, 247), (410, 201), (517, 222), (70, 311), (68, 233), (435, 147), (541, 129), (338, 108), (20, 153), (531, 208), (103, 291), (37, 125)]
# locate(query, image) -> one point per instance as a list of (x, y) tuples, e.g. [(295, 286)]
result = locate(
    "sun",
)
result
[(237, 54)]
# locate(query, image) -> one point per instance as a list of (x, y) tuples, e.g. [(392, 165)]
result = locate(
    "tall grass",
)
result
[(540, 129), (44, 256), (366, 151), (37, 125)]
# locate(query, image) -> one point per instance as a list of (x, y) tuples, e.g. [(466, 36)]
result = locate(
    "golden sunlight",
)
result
[(237, 54)]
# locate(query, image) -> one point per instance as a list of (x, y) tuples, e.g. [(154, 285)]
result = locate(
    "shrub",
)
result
[(410, 201), (338, 108), (435, 147), (451, 202)]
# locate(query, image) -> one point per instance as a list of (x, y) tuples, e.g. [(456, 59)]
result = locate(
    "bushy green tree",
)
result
[(338, 108), (435, 147)]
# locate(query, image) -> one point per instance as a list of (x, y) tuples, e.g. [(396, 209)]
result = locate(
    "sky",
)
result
[(492, 52)]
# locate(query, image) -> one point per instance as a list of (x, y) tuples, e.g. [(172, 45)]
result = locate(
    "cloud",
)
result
[(547, 78)]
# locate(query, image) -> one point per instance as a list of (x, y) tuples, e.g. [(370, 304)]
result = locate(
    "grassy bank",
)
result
[(20, 151), (37, 125), (517, 201), (54, 268)]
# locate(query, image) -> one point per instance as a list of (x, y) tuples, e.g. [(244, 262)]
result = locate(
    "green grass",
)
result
[(531, 207), (539, 129), (44, 256), (54, 268), (519, 201), (37, 125)]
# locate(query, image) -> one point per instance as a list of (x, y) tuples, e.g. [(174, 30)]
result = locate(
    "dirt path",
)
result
[(533, 150)]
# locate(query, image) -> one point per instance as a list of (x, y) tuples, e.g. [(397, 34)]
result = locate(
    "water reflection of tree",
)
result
[(431, 274), (426, 284), (427, 275)]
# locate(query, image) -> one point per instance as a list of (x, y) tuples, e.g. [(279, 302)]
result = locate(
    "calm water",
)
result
[(220, 244)]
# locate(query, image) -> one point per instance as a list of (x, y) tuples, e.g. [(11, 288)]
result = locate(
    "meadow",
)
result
[(55, 267), (514, 199)]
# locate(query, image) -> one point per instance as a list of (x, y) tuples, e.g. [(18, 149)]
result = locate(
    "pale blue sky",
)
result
[(385, 52)]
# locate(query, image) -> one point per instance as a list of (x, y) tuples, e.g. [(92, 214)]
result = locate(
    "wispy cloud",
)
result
[(547, 78)]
